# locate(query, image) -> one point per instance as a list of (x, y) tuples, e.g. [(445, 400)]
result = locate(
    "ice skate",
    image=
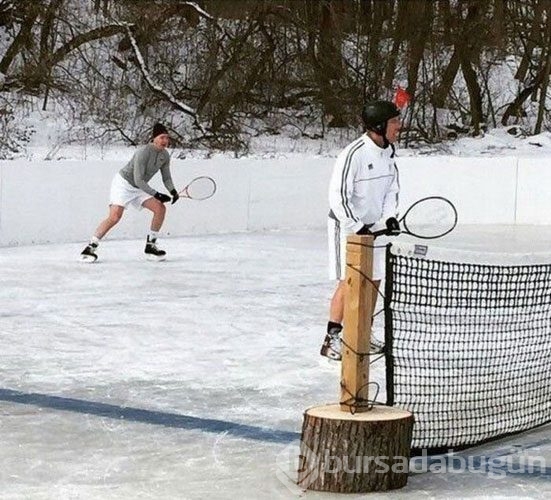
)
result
[(332, 345), (152, 252), (89, 255)]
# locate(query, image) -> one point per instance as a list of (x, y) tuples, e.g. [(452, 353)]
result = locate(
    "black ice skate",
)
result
[(89, 255), (152, 252)]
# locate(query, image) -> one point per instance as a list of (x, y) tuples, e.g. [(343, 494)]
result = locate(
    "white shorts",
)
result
[(336, 238), (124, 194)]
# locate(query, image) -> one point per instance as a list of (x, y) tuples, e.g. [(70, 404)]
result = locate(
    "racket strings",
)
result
[(430, 218), (200, 188)]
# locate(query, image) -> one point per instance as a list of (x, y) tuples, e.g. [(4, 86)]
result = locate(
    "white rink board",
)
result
[(482, 189), (63, 201), (534, 200)]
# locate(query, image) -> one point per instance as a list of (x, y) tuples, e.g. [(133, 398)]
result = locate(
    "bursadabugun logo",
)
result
[(295, 459)]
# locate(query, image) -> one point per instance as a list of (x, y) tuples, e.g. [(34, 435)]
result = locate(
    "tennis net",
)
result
[(468, 346)]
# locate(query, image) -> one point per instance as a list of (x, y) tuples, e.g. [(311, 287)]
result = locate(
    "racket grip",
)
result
[(392, 228), (365, 229), (380, 232)]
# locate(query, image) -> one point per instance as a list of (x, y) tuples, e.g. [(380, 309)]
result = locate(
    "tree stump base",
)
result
[(354, 453)]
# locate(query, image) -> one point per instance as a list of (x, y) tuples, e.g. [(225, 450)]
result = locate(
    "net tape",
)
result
[(468, 345)]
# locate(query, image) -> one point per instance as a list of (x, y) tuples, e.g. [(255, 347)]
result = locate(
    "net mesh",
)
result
[(468, 348)]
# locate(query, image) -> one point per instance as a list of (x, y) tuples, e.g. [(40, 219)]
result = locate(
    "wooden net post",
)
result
[(358, 310), (355, 447)]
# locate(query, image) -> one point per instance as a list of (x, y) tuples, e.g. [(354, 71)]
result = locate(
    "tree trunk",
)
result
[(446, 82), (328, 63), (400, 32), (546, 60), (21, 40), (531, 42), (468, 47), (515, 108), (422, 18), (475, 96), (355, 453)]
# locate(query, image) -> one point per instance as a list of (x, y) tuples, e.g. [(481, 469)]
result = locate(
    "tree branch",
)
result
[(156, 87), (81, 39)]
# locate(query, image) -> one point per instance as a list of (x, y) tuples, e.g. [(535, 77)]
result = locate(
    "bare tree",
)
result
[(221, 72)]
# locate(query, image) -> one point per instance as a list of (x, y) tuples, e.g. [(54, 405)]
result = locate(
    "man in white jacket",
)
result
[(363, 198)]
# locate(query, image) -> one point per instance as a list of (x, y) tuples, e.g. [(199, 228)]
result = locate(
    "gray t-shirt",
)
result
[(145, 163)]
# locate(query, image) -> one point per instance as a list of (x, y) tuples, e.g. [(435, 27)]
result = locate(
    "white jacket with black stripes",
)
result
[(364, 186)]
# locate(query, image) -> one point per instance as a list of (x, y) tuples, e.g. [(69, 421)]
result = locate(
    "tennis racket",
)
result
[(428, 218), (200, 188)]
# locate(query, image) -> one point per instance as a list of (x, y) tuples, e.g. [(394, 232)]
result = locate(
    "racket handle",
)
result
[(366, 230), (392, 228), (380, 232)]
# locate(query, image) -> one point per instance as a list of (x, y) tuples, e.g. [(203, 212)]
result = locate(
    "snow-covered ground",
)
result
[(54, 139)]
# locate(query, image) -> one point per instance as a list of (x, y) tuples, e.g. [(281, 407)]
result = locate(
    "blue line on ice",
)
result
[(148, 416), (478, 463)]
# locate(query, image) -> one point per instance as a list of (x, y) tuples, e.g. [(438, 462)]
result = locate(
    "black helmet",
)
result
[(375, 114)]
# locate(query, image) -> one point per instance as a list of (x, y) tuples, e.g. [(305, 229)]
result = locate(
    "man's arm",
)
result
[(341, 189), (390, 204), (140, 162), (165, 173), (389, 210)]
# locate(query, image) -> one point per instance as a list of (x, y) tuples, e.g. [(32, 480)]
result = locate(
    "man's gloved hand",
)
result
[(392, 227), (175, 196), (364, 230), (163, 198)]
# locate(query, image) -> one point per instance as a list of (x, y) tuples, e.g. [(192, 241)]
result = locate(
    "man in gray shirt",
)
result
[(130, 188)]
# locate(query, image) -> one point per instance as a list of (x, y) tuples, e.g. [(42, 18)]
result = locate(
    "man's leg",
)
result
[(336, 239), (331, 347), (115, 215), (89, 253), (336, 308), (159, 212)]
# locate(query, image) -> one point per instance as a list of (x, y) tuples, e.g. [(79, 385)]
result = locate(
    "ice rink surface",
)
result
[(187, 379)]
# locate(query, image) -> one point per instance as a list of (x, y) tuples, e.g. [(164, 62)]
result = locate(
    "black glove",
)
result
[(163, 198), (175, 196), (392, 227), (364, 230)]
